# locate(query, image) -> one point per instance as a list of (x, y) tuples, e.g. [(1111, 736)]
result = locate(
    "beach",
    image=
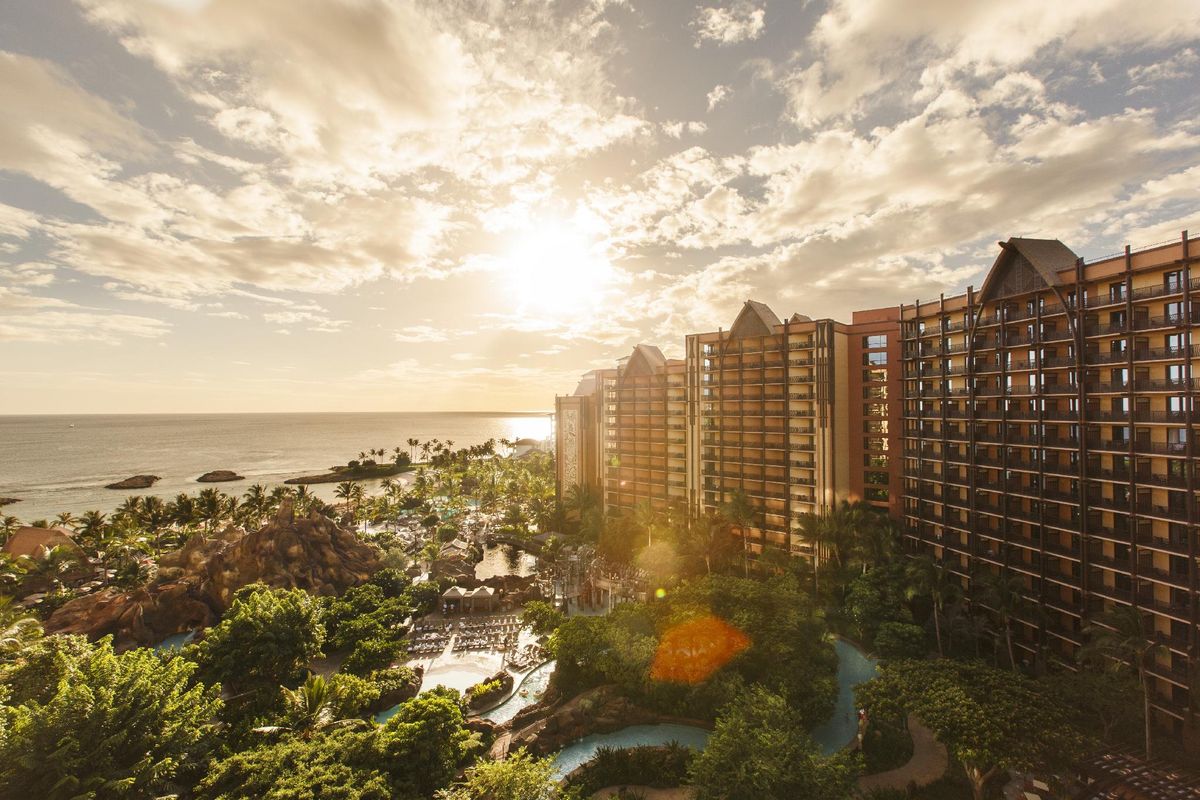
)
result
[(61, 463)]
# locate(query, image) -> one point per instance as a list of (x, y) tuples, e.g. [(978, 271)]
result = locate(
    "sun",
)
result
[(556, 269)]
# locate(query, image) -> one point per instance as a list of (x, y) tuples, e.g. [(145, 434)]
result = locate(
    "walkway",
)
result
[(928, 763)]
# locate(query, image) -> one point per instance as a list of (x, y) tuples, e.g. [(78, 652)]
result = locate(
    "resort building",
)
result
[(794, 414), (1049, 437), (1047, 421)]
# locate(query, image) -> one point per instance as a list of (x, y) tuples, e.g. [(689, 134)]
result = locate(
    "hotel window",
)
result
[(875, 393), (870, 375), (1116, 292), (877, 460), (875, 426), (1173, 281), (875, 409), (875, 359), (1174, 311), (875, 444), (875, 340)]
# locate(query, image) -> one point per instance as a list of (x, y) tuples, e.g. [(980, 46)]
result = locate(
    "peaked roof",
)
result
[(1027, 265), (30, 541), (645, 360), (755, 319), (800, 318)]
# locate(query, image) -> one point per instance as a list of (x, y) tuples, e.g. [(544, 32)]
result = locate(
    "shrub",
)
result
[(370, 655), (542, 617), (660, 767), (900, 640)]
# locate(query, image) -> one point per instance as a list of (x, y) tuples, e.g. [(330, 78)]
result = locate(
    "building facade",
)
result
[(1040, 430), (1049, 438), (792, 413)]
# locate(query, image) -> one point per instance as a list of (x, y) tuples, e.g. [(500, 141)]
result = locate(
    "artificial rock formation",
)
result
[(196, 583), (136, 482), (220, 476)]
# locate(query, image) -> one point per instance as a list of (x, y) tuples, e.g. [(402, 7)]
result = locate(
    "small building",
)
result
[(32, 542)]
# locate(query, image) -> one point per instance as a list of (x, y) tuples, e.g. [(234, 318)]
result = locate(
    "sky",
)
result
[(443, 205)]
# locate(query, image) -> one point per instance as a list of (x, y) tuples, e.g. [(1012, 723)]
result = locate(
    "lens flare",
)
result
[(692, 651)]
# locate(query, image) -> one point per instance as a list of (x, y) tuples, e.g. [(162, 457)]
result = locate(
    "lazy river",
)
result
[(530, 691), (854, 667)]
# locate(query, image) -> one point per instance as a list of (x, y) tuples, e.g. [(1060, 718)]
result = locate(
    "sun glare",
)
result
[(556, 269)]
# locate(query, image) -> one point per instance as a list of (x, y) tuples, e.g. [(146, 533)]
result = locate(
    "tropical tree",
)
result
[(759, 751), (929, 578), (312, 707), (17, 627), (48, 566), (255, 503), (8, 526), (1119, 639), (990, 720), (131, 725), (814, 529), (520, 776), (91, 528), (1005, 596), (210, 506), (740, 511), (647, 518), (266, 637), (412, 444), (65, 520)]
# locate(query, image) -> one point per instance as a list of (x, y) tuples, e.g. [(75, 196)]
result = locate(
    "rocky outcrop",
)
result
[(599, 710), (136, 482), (8, 501), (477, 699), (220, 476), (196, 583)]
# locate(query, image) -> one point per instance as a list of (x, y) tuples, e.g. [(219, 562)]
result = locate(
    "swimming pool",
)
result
[(533, 685)]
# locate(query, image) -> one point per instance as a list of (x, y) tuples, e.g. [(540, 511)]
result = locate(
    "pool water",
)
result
[(533, 684), (854, 667), (176, 641), (496, 562), (584, 750)]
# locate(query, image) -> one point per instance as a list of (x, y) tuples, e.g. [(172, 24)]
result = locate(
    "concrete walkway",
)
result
[(928, 763)]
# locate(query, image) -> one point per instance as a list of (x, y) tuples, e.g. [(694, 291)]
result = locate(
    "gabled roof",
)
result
[(800, 318), (1026, 265), (33, 542), (645, 360), (755, 319)]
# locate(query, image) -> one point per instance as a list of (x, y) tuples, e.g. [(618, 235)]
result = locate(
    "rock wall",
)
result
[(196, 583)]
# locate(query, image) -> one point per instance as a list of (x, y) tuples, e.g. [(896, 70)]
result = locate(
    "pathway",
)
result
[(928, 763)]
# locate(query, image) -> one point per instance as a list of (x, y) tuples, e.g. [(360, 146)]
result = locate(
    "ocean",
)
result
[(62, 462)]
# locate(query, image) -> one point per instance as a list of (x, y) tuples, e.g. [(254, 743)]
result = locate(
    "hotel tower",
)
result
[(1041, 427)]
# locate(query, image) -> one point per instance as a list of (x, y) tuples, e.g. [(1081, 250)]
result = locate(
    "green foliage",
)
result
[(542, 617), (659, 767), (267, 636), (759, 751), (481, 690), (115, 726), (395, 685), (900, 640), (411, 757), (886, 745), (785, 648), (371, 655), (876, 597), (393, 582), (990, 720), (37, 669), (518, 777)]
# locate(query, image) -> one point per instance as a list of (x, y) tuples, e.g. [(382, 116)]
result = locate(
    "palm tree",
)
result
[(412, 445), (130, 508), (50, 565), (254, 501), (928, 577), (303, 497), (742, 513), (65, 520), (183, 510), (8, 525), (91, 528), (1119, 637), (312, 707), (813, 527), (1006, 597), (210, 505), (17, 627)]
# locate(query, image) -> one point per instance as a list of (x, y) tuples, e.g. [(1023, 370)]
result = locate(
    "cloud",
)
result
[(860, 49), (421, 333), (1182, 64), (718, 95), (26, 317), (738, 22)]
